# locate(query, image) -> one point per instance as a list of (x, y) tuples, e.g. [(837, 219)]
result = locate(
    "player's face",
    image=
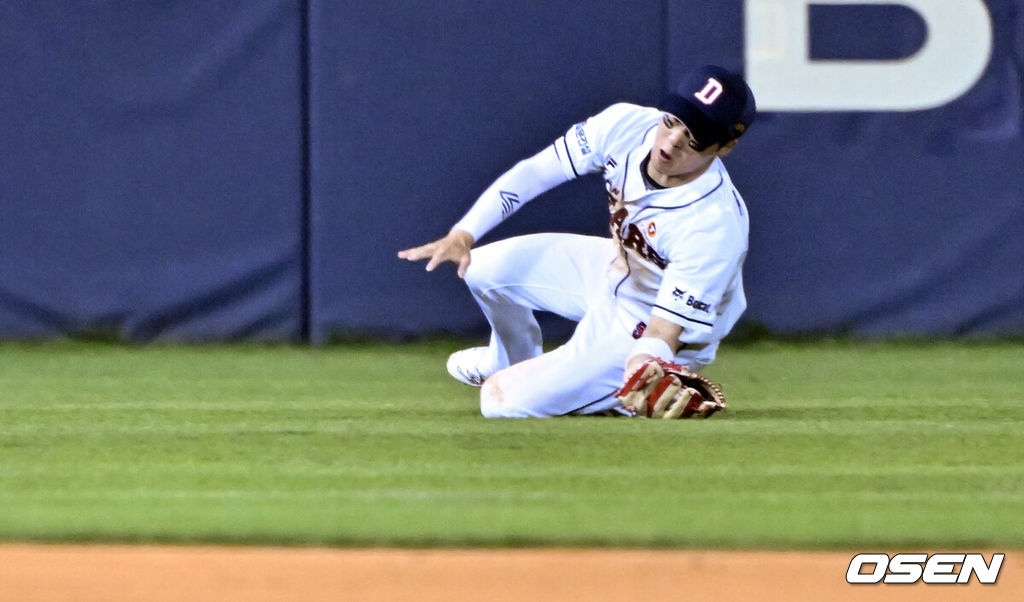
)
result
[(676, 154)]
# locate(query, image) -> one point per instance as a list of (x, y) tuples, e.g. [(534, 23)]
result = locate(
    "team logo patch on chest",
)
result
[(632, 237)]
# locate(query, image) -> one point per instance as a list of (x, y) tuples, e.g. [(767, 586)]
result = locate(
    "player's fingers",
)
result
[(463, 265), (417, 253), (439, 254), (679, 406), (435, 260), (664, 394), (633, 401), (707, 408)]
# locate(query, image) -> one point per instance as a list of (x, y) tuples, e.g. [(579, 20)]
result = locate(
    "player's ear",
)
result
[(726, 148)]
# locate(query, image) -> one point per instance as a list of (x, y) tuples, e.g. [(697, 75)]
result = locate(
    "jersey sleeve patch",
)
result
[(581, 140), (686, 308), (583, 145)]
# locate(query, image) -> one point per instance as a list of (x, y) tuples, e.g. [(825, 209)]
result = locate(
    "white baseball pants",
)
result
[(565, 274)]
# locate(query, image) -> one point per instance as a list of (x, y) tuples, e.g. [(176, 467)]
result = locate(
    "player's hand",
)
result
[(632, 363), (454, 247)]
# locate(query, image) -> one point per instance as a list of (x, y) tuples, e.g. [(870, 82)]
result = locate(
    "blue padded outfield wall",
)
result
[(196, 171), (151, 181)]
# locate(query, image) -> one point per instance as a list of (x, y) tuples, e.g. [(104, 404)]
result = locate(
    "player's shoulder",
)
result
[(711, 203), (626, 115), (723, 199), (622, 126)]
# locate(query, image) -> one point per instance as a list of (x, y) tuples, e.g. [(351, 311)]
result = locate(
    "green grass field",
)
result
[(829, 445)]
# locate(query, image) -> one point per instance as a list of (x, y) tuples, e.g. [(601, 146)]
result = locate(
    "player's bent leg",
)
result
[(550, 272), (512, 278), (546, 386), (580, 377)]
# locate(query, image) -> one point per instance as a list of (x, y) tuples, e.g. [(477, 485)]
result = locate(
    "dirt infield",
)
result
[(32, 573)]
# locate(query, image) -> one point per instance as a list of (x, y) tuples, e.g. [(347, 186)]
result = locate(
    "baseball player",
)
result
[(667, 285)]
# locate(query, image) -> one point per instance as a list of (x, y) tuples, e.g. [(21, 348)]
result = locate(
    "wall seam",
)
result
[(306, 231)]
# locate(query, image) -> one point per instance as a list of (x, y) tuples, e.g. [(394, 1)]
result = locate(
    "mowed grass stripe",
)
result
[(826, 445)]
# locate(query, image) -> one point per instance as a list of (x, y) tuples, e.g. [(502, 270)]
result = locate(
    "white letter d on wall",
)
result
[(784, 78)]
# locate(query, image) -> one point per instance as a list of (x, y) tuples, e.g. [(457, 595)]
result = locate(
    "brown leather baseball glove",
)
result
[(660, 389)]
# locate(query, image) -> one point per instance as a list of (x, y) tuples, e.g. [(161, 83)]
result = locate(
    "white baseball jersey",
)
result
[(682, 248), (676, 253)]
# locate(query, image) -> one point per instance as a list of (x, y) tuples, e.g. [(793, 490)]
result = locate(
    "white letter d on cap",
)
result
[(956, 51), (712, 90)]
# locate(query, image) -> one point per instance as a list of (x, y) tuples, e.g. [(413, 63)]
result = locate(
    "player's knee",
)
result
[(483, 270), (491, 399), (494, 401), (474, 275)]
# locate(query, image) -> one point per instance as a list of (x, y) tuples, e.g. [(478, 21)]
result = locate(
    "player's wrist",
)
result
[(651, 347), (463, 236)]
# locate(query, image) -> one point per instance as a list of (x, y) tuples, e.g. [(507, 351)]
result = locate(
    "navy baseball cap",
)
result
[(716, 105)]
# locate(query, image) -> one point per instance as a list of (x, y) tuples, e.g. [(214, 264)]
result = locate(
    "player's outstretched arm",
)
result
[(454, 247), (657, 387), (661, 340)]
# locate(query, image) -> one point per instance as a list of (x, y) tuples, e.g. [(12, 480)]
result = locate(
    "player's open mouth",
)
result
[(664, 156)]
